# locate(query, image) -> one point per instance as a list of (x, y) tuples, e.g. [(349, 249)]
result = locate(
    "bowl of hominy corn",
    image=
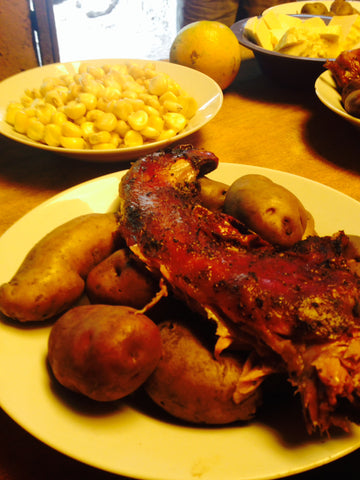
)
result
[(106, 110)]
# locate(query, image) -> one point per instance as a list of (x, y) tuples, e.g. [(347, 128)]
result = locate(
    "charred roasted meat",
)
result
[(298, 307), (345, 68), (346, 72)]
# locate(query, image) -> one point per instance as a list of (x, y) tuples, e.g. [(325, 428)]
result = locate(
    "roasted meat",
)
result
[(297, 308), (345, 68)]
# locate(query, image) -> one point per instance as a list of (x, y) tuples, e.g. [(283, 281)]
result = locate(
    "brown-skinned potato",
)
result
[(121, 279), (192, 385), (269, 209), (104, 352), (51, 277), (212, 193)]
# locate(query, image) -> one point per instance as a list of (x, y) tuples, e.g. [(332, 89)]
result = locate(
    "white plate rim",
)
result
[(194, 83), (186, 452)]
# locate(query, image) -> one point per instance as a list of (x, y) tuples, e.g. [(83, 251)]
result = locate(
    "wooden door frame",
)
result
[(44, 31)]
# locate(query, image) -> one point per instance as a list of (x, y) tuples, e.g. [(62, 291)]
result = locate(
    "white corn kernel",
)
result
[(94, 115), (69, 129), (106, 122), (115, 139), (150, 132), (156, 122), (11, 111), (76, 143), (21, 121), (45, 113), (87, 128), (171, 106), (175, 121), (121, 128), (189, 104), (167, 134), (74, 109), (52, 134), (96, 72), (138, 120), (168, 96), (59, 118), (133, 139), (87, 99), (158, 85), (26, 100), (99, 137), (35, 129), (122, 109)]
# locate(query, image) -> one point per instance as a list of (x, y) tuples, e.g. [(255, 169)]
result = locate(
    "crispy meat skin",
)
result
[(345, 68), (300, 305)]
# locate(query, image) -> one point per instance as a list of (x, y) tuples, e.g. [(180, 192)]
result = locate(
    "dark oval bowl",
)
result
[(285, 69)]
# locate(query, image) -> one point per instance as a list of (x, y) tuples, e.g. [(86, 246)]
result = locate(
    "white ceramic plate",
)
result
[(295, 7), (128, 440), (206, 91), (328, 94)]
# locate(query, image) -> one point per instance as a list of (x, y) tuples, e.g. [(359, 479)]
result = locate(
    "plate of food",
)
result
[(148, 105), (131, 437), (314, 8)]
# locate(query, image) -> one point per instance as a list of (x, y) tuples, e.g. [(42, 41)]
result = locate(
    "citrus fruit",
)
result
[(209, 47)]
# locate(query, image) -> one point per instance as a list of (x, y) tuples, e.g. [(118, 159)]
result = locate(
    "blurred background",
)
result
[(127, 28)]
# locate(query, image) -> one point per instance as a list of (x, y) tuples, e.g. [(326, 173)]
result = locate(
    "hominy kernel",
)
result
[(21, 121), (52, 135), (138, 120), (122, 105), (133, 139), (35, 129), (106, 122), (76, 143), (99, 137), (11, 111), (69, 129)]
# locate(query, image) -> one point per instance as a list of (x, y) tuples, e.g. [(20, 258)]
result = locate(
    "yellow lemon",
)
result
[(209, 47)]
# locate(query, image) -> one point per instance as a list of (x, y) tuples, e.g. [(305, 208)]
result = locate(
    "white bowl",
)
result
[(295, 7), (289, 70), (329, 95), (206, 92)]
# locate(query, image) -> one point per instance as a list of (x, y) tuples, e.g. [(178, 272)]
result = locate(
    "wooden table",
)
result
[(260, 124)]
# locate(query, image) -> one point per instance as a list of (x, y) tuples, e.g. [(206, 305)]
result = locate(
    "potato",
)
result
[(314, 8), (269, 209), (341, 8), (212, 193), (190, 384), (121, 279), (104, 352), (51, 277)]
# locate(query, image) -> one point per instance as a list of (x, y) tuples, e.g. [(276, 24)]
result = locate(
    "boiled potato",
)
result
[(121, 279), (190, 384), (269, 209), (341, 7), (314, 8), (51, 277), (104, 352), (212, 193)]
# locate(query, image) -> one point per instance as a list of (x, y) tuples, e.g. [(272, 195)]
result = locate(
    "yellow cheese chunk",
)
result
[(262, 35), (314, 22), (272, 21)]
